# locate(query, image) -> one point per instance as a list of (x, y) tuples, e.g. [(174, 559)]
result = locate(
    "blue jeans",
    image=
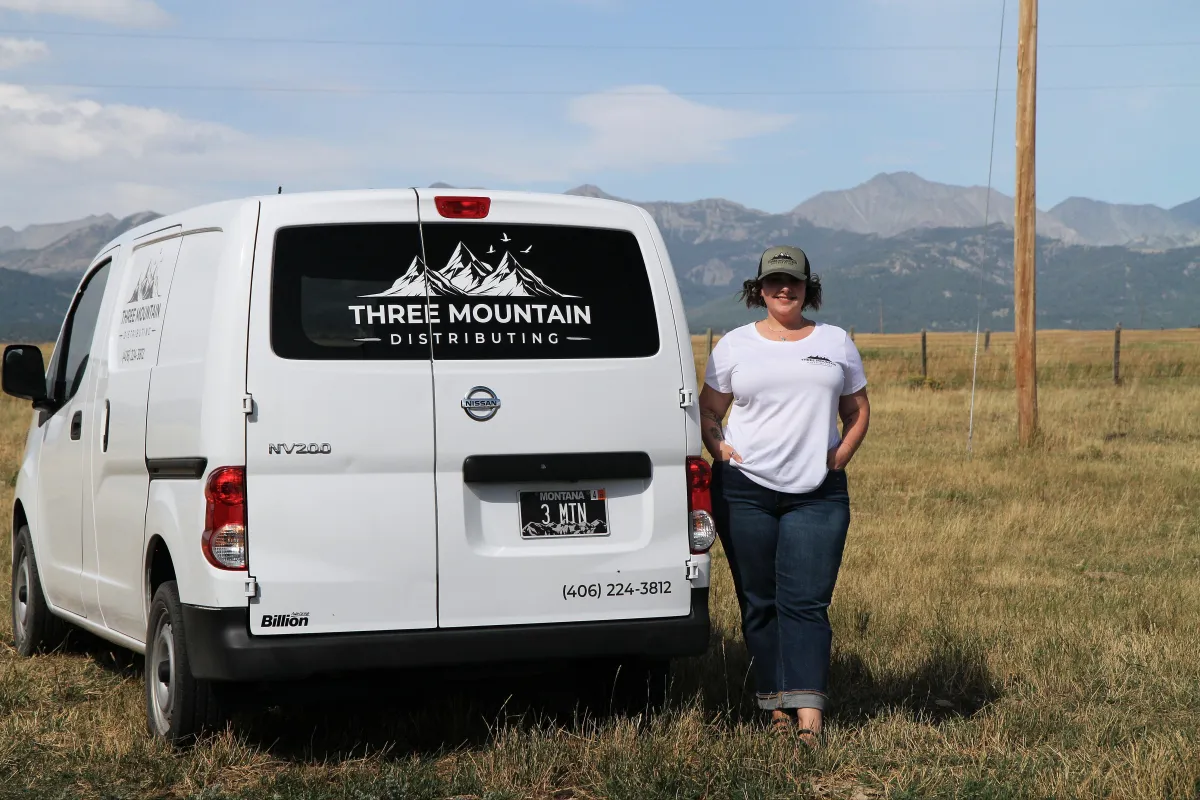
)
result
[(784, 551)]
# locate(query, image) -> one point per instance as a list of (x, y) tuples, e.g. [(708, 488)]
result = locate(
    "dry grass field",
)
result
[(1014, 624)]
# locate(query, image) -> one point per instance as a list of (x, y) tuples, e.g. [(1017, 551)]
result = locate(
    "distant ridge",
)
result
[(588, 190), (71, 252), (912, 245), (890, 204), (35, 237)]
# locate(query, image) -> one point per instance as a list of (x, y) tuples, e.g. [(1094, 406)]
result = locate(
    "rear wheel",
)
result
[(35, 629), (179, 708)]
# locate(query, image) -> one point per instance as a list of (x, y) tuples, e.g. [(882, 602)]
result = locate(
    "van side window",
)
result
[(71, 364)]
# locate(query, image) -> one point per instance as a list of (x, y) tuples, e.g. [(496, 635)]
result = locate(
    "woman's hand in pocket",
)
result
[(728, 453)]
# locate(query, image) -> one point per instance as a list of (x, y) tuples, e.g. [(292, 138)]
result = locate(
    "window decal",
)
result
[(479, 291), (139, 328)]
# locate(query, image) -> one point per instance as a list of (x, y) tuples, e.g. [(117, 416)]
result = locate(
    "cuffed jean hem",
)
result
[(770, 702)]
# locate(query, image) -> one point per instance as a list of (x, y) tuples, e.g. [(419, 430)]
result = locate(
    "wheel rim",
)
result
[(160, 676), (21, 599)]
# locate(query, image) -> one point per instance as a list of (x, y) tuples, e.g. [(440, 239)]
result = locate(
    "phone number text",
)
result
[(575, 591)]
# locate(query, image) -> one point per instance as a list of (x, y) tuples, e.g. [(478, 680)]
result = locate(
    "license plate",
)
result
[(571, 512)]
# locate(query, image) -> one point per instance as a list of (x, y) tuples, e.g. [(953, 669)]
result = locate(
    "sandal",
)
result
[(782, 724), (810, 738)]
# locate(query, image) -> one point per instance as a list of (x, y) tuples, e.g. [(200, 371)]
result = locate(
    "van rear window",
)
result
[(474, 291)]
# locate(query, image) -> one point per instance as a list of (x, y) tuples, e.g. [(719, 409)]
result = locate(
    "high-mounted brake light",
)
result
[(224, 539), (703, 528), (463, 207)]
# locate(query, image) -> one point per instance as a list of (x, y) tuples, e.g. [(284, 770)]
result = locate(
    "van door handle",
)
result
[(104, 439), (77, 425)]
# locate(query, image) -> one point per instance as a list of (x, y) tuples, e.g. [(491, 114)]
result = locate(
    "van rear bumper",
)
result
[(220, 647)]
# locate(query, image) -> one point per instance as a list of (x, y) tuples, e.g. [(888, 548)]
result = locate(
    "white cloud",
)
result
[(67, 156), (15, 52), (39, 127), (64, 156), (636, 127), (134, 13)]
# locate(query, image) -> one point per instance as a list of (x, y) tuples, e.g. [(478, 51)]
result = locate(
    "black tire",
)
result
[(179, 708), (35, 628)]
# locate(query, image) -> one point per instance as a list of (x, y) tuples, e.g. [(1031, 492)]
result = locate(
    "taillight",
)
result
[(704, 529), (224, 539), (463, 207)]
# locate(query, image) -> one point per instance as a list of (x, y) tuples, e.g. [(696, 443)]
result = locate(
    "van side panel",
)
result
[(684, 337), (194, 409), (117, 441), (177, 394), (98, 415)]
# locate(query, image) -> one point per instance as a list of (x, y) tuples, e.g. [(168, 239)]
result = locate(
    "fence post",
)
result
[(708, 346), (987, 339), (1117, 355), (852, 333), (924, 356)]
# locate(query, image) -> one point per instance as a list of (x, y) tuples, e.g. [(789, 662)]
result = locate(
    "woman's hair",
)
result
[(751, 293)]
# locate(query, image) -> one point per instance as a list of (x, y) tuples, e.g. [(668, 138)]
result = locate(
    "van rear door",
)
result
[(341, 529), (560, 439)]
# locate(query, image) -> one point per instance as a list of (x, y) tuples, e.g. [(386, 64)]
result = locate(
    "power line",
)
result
[(416, 44), (384, 90), (987, 218)]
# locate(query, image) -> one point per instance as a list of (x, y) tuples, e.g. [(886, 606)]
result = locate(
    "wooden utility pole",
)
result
[(1025, 226), (881, 315)]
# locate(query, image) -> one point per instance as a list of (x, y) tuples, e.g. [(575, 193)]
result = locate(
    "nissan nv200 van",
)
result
[(299, 435)]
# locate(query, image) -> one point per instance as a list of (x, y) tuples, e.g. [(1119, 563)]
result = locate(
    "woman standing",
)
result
[(779, 482)]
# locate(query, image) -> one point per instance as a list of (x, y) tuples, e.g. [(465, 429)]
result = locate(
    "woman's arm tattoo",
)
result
[(713, 430)]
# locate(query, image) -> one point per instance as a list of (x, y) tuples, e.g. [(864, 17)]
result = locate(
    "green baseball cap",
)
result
[(788, 260)]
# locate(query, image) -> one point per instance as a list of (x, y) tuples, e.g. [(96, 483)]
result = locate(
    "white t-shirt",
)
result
[(785, 401)]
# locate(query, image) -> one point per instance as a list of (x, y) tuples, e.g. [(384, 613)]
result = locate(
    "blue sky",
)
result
[(121, 105)]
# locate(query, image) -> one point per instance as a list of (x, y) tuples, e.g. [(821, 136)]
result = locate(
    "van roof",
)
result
[(350, 195), (204, 215)]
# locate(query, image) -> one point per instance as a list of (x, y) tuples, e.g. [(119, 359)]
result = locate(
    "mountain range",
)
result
[(911, 250)]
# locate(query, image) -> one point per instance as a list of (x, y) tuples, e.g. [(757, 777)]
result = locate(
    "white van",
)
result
[(307, 434)]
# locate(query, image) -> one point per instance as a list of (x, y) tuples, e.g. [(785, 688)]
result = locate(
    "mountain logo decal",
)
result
[(467, 275), (146, 287)]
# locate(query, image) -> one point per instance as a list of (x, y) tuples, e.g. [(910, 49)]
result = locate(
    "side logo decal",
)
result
[(146, 287)]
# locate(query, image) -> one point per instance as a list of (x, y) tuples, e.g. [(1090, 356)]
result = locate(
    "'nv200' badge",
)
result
[(481, 403)]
